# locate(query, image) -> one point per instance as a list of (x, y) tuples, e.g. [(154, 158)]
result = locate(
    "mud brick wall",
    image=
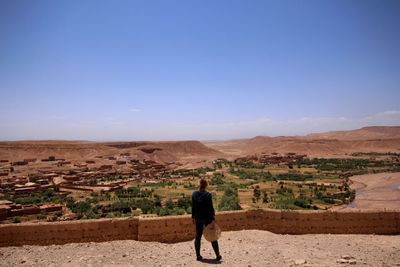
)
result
[(166, 229), (68, 232), (326, 222), (180, 228)]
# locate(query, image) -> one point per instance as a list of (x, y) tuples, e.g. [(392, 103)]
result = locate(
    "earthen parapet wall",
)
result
[(180, 228)]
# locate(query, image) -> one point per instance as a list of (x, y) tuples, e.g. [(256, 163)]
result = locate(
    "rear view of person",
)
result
[(203, 214)]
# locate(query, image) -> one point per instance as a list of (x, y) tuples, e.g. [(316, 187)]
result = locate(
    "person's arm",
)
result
[(212, 208), (193, 208)]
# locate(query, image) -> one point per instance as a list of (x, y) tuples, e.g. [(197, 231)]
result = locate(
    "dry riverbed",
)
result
[(376, 191)]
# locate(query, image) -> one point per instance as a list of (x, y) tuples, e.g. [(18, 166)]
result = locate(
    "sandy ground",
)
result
[(241, 248), (376, 191)]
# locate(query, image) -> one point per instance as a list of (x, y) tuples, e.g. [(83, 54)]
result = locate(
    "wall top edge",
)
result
[(144, 218)]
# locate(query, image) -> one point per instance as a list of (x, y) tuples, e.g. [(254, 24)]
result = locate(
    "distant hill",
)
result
[(368, 139), (366, 133), (337, 143), (83, 150)]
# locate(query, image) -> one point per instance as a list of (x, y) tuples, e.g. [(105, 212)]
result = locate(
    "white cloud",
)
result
[(391, 115), (135, 110)]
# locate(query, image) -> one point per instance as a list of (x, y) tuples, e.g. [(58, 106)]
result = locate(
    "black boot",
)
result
[(197, 248), (216, 250)]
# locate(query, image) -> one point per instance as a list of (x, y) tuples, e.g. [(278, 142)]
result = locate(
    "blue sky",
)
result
[(162, 70)]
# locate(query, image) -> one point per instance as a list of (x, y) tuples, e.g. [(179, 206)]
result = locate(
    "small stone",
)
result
[(352, 262), (247, 252), (125, 255), (300, 261), (342, 261)]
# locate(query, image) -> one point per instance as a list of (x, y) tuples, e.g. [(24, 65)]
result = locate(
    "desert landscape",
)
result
[(75, 180), (69, 180)]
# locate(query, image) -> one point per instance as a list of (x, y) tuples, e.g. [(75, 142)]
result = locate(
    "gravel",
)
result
[(240, 248)]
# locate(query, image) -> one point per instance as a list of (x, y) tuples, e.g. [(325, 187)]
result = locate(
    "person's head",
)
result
[(203, 183)]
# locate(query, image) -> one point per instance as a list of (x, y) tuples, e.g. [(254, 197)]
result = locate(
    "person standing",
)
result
[(203, 214)]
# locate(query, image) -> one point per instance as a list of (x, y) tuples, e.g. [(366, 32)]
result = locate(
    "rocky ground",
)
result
[(241, 248)]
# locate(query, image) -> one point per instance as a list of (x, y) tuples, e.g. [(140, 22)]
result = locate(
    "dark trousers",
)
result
[(199, 233)]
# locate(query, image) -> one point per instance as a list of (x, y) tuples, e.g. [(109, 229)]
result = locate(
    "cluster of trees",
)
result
[(111, 178), (293, 176), (90, 209), (323, 164), (162, 184), (83, 209), (248, 164), (220, 163), (179, 207), (134, 192), (267, 176), (304, 203), (217, 179), (257, 193), (229, 200), (41, 197), (192, 172), (345, 196), (283, 190), (250, 174)]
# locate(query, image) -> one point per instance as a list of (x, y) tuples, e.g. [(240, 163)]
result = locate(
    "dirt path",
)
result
[(376, 191), (241, 248)]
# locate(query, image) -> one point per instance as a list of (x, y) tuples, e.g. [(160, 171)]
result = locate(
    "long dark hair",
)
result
[(203, 183)]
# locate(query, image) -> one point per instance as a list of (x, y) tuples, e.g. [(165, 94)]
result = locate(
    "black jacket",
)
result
[(202, 207)]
